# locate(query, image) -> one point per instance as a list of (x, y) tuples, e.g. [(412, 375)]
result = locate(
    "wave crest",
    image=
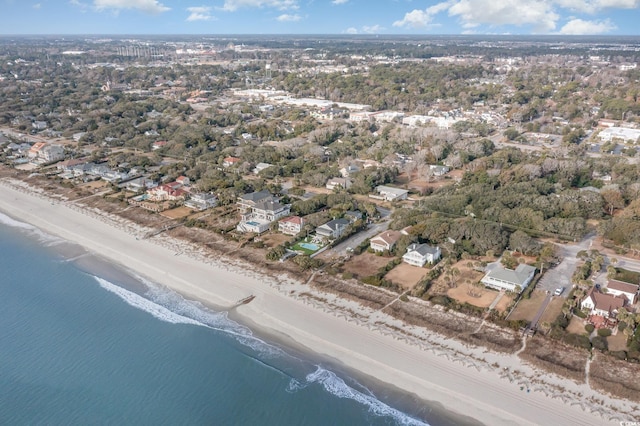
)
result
[(137, 301), (336, 386)]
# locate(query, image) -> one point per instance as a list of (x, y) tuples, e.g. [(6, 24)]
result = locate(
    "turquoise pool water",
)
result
[(309, 246)]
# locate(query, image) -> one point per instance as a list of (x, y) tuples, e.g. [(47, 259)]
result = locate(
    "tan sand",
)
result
[(468, 380)]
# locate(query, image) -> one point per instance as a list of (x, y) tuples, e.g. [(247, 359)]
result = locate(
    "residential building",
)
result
[(167, 192), (385, 241), (258, 210), (260, 167), (420, 254), (349, 170), (620, 133), (43, 153), (291, 225), (389, 193), (201, 201), (183, 180), (621, 288), (247, 201), (436, 170), (509, 279), (605, 305), (353, 215), (332, 229), (230, 161), (158, 144), (336, 183), (39, 125)]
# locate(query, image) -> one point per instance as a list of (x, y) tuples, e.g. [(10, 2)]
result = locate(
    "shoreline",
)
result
[(433, 369)]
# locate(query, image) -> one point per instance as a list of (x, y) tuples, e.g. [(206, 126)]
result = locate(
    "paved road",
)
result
[(355, 240), (560, 275)]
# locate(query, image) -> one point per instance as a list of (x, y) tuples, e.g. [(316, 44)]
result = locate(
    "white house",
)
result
[(260, 167), (419, 254), (291, 225), (621, 133), (606, 305), (621, 288), (385, 241), (201, 201), (349, 170), (509, 279), (261, 215), (438, 170), (389, 193), (333, 228), (333, 183)]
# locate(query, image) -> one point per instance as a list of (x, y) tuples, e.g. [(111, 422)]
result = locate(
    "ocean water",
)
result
[(83, 342)]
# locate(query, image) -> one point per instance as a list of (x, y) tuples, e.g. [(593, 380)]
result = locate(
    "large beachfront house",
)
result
[(605, 305), (509, 279), (291, 225), (258, 210), (201, 201), (332, 229), (621, 288), (420, 254), (385, 241)]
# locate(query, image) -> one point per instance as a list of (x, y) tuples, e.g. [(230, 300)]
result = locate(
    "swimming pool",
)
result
[(309, 246)]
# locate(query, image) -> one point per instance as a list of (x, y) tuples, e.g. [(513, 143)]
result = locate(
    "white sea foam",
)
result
[(42, 236), (170, 306), (216, 320), (336, 386), (137, 301)]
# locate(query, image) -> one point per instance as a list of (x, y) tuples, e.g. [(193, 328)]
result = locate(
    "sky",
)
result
[(565, 17)]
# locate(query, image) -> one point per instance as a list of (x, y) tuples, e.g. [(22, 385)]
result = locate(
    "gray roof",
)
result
[(257, 196), (335, 223), (423, 249), (516, 276), (268, 205)]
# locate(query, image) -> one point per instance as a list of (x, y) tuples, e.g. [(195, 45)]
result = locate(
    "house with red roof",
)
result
[(621, 288), (601, 304), (291, 225)]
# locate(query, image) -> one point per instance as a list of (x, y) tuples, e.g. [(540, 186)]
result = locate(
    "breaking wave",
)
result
[(339, 388), (43, 237), (171, 307)]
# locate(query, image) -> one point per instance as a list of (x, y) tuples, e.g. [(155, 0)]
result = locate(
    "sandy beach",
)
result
[(495, 389)]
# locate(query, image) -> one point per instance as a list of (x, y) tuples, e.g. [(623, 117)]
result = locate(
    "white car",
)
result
[(558, 291)]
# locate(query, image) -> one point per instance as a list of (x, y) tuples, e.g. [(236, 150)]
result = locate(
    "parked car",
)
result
[(558, 291)]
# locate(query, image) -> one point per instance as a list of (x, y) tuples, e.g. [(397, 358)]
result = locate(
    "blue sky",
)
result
[(573, 17)]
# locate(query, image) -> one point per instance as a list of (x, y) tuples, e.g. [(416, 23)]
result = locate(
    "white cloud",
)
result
[(538, 13), (199, 13), (37, 6), (233, 5), (473, 13), (339, 1), (593, 6), (148, 6), (580, 27), (77, 3), (351, 30), (416, 19), (289, 18), (373, 29)]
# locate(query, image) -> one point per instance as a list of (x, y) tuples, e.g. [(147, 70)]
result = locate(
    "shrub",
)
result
[(599, 343), (604, 332), (578, 340), (589, 328)]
